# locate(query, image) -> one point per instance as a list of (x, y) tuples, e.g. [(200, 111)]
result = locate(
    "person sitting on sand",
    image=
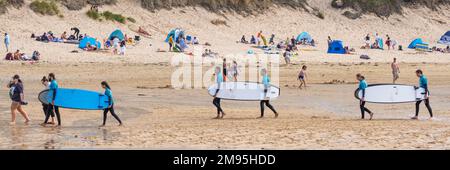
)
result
[(116, 44), (362, 102), (17, 55), (195, 41), (108, 93), (64, 36), (170, 43), (122, 47), (302, 77), (243, 40), (388, 42), (313, 43), (367, 41), (266, 101), (448, 49), (272, 39), (216, 100), (253, 40), (423, 83), (293, 41)]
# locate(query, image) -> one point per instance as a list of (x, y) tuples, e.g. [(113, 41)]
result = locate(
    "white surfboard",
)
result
[(391, 93), (246, 91)]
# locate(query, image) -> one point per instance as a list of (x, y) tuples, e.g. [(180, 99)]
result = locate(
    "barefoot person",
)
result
[(53, 90), (266, 82), (395, 70), (46, 107), (362, 102), (7, 42), (17, 97), (423, 83), (110, 108), (216, 101), (302, 77)]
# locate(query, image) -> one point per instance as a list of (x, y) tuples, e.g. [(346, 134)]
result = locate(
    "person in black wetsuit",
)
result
[(46, 107), (216, 101), (362, 102), (53, 90), (423, 83), (110, 108), (76, 32), (266, 101)]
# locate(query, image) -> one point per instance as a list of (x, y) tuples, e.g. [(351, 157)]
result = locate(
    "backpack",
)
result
[(9, 56)]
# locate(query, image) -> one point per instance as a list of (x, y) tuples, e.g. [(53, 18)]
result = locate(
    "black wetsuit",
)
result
[(362, 105), (76, 31), (267, 103), (52, 108), (110, 109), (216, 103)]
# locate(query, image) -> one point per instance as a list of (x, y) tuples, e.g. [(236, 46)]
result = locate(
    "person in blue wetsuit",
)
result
[(53, 90), (216, 101), (266, 82), (362, 102), (423, 83), (110, 108)]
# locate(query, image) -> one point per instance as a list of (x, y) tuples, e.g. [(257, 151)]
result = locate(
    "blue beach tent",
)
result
[(414, 43), (445, 39), (336, 47), (117, 33), (90, 40), (304, 36)]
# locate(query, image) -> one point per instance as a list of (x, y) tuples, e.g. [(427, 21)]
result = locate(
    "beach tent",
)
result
[(304, 36), (175, 34), (336, 47), (117, 33), (90, 40), (445, 39), (414, 43)]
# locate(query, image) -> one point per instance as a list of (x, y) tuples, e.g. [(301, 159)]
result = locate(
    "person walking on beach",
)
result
[(7, 42), (302, 77), (17, 97), (266, 101), (362, 102), (235, 70), (108, 93), (53, 90), (216, 101), (395, 70), (423, 83), (225, 67), (46, 107)]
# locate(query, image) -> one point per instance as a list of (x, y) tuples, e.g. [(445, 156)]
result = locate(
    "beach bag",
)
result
[(9, 56)]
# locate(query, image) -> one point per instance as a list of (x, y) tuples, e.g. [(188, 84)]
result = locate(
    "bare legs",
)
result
[(16, 106)]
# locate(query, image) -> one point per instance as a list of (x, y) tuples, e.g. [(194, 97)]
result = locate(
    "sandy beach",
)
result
[(157, 116)]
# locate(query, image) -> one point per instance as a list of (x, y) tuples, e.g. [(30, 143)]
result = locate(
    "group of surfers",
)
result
[(50, 110)]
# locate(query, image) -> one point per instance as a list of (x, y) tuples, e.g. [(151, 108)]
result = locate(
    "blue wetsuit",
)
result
[(216, 101), (108, 93), (362, 87), (53, 90), (423, 83), (266, 82)]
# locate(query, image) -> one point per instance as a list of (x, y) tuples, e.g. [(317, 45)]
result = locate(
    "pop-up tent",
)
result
[(414, 43), (116, 34), (336, 47), (90, 40), (445, 39), (175, 34), (304, 36)]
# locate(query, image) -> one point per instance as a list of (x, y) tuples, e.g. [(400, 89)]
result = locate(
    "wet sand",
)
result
[(325, 116)]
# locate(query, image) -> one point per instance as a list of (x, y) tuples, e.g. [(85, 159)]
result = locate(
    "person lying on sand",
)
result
[(64, 36), (362, 102)]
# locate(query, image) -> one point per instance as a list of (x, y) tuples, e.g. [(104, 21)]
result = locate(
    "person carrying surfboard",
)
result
[(423, 83), (45, 106), (53, 90), (110, 108), (17, 97), (395, 70), (216, 101), (266, 101), (362, 102)]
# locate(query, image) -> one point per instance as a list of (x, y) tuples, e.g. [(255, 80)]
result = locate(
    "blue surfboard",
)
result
[(76, 99)]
